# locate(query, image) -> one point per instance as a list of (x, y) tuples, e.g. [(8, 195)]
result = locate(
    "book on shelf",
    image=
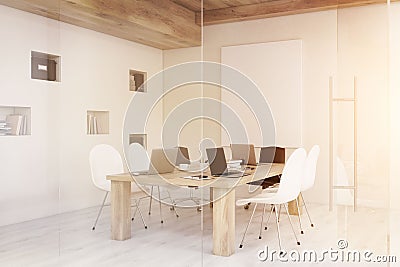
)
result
[(88, 122), (23, 126), (16, 124), (4, 128), (92, 124), (95, 125)]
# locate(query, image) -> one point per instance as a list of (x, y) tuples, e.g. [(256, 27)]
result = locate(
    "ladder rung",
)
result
[(343, 99), (343, 187)]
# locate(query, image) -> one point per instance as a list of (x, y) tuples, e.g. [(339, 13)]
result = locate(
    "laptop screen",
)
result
[(182, 156), (272, 155), (244, 152), (216, 158)]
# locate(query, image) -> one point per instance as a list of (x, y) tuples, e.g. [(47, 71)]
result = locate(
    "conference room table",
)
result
[(223, 189)]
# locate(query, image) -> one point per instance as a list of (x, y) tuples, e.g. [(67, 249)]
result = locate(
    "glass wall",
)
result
[(51, 205)]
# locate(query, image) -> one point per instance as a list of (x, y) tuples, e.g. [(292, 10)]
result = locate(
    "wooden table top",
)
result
[(176, 178)]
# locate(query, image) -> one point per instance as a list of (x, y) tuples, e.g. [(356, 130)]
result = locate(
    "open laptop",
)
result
[(182, 156), (244, 152), (272, 155), (159, 163), (218, 166)]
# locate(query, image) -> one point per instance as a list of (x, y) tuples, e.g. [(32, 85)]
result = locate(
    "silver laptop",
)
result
[(159, 163)]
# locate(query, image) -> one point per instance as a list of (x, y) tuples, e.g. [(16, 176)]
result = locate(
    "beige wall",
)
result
[(394, 185), (339, 44), (318, 33), (48, 172), (192, 132)]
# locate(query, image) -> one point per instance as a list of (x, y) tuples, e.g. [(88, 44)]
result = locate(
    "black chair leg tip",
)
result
[(162, 221), (132, 219), (177, 216), (93, 228), (298, 243), (240, 246), (312, 225), (302, 232), (259, 237), (149, 213), (145, 227), (265, 228)]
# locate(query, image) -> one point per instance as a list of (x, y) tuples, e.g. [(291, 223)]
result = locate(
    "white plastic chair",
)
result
[(307, 182), (288, 190), (138, 161), (104, 160), (308, 179)]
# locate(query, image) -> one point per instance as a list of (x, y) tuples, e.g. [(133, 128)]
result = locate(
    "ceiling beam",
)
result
[(274, 9), (161, 24)]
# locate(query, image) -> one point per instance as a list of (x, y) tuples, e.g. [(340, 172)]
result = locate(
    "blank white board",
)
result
[(276, 68)]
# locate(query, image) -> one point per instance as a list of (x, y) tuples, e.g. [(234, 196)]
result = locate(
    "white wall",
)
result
[(318, 33), (48, 172), (276, 69), (363, 41), (394, 185), (192, 133), (338, 43)]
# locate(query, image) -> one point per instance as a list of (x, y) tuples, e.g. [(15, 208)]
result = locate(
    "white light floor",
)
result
[(67, 239)]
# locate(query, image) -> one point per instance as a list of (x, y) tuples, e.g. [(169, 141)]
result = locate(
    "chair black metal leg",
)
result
[(141, 216), (277, 226), (269, 216), (291, 224), (262, 220), (159, 200), (173, 207), (247, 227), (136, 204), (151, 198), (299, 215), (101, 208), (305, 206)]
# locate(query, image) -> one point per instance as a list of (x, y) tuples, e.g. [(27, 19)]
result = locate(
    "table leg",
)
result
[(211, 197), (224, 222), (120, 210), (293, 206)]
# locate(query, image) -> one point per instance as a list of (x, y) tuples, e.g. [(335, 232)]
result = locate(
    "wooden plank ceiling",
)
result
[(168, 24), (223, 11), (158, 23)]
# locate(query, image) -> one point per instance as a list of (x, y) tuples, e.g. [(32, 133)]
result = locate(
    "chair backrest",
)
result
[(104, 160), (272, 154), (289, 186), (310, 168), (138, 159)]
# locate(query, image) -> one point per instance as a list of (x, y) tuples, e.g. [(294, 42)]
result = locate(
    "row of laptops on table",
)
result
[(165, 160), (246, 154)]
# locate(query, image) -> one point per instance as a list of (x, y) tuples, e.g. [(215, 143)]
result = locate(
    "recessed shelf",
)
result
[(15, 121), (97, 122), (137, 81), (138, 138), (45, 67)]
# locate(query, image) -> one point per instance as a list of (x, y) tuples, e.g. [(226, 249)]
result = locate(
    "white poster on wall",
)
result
[(276, 69)]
